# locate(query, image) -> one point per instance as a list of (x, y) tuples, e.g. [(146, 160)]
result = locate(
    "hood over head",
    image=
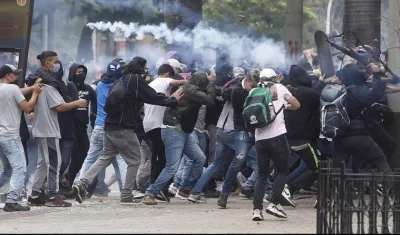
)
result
[(73, 68), (199, 79), (351, 75), (299, 76)]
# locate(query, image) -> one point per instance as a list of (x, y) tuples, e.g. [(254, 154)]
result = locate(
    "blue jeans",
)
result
[(184, 177), (12, 156), (96, 150), (225, 141), (33, 157), (243, 144), (301, 169), (176, 144)]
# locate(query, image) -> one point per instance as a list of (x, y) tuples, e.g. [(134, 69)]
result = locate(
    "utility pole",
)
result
[(394, 62), (293, 31)]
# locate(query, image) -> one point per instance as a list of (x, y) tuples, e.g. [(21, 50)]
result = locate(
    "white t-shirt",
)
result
[(154, 114), (278, 127), (10, 113)]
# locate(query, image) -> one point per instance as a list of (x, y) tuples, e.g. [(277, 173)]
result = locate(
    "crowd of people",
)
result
[(178, 136)]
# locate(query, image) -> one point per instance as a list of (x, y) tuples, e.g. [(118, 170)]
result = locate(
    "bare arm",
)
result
[(26, 90), (294, 104), (27, 106), (72, 105), (175, 83)]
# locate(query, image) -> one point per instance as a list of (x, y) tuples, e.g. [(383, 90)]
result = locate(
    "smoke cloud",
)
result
[(259, 52)]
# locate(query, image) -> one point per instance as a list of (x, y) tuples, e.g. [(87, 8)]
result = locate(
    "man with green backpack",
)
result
[(263, 113)]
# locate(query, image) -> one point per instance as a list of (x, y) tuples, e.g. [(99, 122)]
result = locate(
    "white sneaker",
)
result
[(219, 186), (287, 196), (276, 210), (266, 198), (172, 189), (241, 180), (137, 194), (257, 215)]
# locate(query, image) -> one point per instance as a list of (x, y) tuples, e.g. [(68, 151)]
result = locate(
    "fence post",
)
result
[(342, 197)]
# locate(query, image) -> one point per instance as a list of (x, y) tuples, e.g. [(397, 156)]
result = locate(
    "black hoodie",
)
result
[(302, 124), (86, 92), (66, 120)]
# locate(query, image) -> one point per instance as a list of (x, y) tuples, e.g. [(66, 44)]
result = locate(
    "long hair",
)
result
[(136, 66)]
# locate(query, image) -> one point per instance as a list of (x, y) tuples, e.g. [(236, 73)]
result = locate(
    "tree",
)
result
[(183, 14), (256, 17)]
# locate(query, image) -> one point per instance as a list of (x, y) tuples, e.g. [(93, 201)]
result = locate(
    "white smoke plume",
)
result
[(261, 52)]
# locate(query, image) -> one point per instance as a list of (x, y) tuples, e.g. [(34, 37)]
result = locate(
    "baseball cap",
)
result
[(120, 61), (7, 69), (175, 63), (114, 68), (267, 73)]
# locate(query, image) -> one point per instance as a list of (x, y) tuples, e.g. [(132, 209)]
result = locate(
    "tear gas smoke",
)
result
[(260, 52)]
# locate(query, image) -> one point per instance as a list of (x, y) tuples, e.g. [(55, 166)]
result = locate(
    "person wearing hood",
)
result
[(302, 126), (177, 131), (357, 141), (114, 73), (46, 131), (77, 75)]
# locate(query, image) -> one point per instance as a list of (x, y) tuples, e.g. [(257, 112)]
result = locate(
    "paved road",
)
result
[(107, 215)]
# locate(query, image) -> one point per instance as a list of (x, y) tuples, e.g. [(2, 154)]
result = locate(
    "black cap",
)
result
[(7, 69)]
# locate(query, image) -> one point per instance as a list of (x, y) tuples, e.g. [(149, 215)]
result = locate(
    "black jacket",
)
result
[(67, 120), (137, 91), (302, 124), (235, 92), (359, 98), (86, 92), (197, 91)]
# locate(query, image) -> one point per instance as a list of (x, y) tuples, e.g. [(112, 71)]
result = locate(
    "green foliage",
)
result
[(262, 17)]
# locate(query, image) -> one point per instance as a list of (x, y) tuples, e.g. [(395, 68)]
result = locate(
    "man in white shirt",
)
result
[(11, 150), (271, 144), (153, 117)]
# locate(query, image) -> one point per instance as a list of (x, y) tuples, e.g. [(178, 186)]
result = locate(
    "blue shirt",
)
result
[(102, 93)]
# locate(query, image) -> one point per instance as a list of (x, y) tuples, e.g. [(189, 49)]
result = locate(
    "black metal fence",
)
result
[(357, 203)]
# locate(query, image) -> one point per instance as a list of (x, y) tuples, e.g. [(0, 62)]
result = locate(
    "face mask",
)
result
[(56, 67), (80, 78)]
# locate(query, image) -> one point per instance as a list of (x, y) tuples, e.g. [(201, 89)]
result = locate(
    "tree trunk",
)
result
[(183, 14), (363, 18)]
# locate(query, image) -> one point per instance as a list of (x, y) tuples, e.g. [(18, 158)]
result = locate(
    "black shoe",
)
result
[(247, 193), (57, 202), (183, 194), (222, 201), (211, 194), (162, 197), (37, 201), (11, 207), (130, 201), (79, 192)]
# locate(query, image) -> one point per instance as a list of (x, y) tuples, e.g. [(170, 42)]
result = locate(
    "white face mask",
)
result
[(56, 67)]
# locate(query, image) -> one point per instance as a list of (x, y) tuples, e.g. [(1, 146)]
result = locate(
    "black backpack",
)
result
[(117, 97), (334, 118)]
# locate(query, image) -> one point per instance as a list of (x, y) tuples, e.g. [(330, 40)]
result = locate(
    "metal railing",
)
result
[(357, 203)]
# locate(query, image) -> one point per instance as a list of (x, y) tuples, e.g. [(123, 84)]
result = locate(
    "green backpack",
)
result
[(258, 109)]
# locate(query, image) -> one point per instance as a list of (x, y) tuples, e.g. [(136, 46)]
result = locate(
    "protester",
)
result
[(11, 150)]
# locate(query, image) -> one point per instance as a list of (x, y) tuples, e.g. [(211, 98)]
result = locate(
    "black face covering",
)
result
[(80, 78)]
